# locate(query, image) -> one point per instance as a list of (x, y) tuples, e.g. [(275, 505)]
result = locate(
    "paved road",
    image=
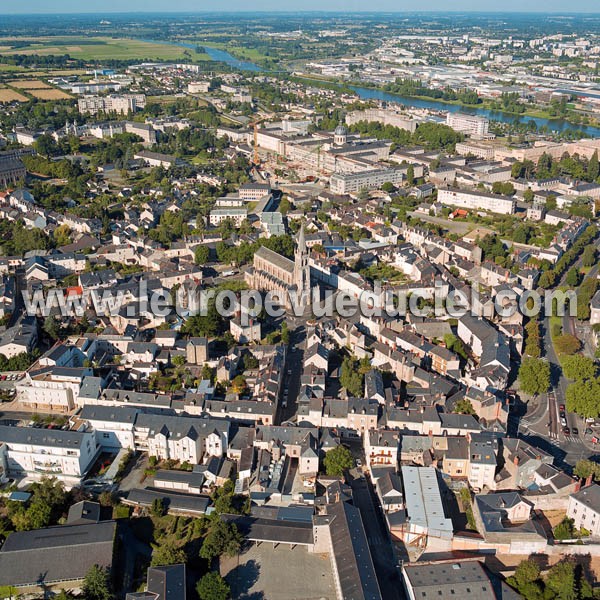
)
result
[(542, 426), (388, 574), (291, 381)]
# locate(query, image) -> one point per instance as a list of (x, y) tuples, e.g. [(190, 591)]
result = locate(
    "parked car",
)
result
[(575, 431), (566, 430)]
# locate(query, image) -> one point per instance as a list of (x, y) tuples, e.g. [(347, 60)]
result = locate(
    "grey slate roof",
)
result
[(52, 554)]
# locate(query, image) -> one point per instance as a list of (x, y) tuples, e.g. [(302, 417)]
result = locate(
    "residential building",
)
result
[(123, 104), (476, 127), (476, 200), (32, 452), (584, 509)]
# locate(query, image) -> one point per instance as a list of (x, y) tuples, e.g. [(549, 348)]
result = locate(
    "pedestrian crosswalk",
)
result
[(567, 439)]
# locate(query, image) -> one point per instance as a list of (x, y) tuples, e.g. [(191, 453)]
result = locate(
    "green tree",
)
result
[(527, 581), (213, 587), (221, 538), (52, 327), (96, 585), (593, 167), (561, 581), (573, 277), (588, 258), (350, 377), (410, 175), (578, 367), (564, 530), (285, 333), (567, 344), (464, 407), (201, 255), (158, 507), (583, 398), (584, 468), (528, 195), (337, 461), (167, 553), (534, 376)]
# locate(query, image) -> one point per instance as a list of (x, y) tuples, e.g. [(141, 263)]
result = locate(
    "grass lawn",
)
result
[(103, 48)]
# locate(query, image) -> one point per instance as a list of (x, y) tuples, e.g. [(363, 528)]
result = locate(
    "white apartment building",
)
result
[(476, 201), (237, 215), (186, 439), (254, 191), (52, 389), (469, 124), (121, 104), (31, 452), (113, 425), (143, 130), (381, 448), (348, 183), (198, 87), (383, 116), (479, 150), (584, 509)]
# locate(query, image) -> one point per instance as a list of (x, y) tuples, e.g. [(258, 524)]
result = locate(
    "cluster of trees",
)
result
[(434, 136), (509, 102), (45, 508), (212, 323), (534, 375), (415, 87), (190, 141), (17, 239), (352, 375), (244, 253), (506, 188), (563, 581), (576, 167), (492, 247), (552, 276), (19, 362), (533, 344), (585, 293)]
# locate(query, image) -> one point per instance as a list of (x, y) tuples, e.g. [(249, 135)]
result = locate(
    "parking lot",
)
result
[(279, 574)]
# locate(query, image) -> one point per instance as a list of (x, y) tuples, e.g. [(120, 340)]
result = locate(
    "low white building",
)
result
[(473, 200)]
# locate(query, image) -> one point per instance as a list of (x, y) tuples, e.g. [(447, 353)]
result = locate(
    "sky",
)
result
[(107, 6)]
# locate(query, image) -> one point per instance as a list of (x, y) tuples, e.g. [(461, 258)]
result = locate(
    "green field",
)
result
[(99, 49)]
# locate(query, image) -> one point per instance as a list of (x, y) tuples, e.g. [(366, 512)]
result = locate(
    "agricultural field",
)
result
[(29, 84), (8, 95), (99, 49), (49, 94)]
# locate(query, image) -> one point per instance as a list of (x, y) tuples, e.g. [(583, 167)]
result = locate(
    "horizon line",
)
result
[(299, 11)]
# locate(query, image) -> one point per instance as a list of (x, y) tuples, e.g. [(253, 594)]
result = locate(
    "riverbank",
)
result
[(535, 113)]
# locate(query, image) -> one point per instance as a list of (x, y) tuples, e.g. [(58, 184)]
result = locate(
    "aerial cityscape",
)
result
[(299, 305)]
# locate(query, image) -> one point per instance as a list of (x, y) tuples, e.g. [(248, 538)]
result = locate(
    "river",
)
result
[(373, 94), (492, 115)]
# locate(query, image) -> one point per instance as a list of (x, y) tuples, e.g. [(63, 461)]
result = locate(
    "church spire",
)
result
[(301, 240)]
